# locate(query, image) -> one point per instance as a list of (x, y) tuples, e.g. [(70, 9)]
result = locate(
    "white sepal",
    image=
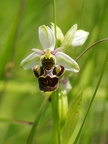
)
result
[(46, 37), (67, 42)]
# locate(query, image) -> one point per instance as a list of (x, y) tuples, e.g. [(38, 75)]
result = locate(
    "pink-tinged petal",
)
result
[(46, 37), (79, 38), (38, 51), (57, 50), (30, 61), (66, 61)]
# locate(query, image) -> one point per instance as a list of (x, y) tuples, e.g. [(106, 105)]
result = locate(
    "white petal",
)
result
[(66, 61), (79, 38), (46, 37), (30, 61)]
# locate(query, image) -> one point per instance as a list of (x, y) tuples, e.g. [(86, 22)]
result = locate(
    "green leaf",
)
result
[(72, 118), (34, 127)]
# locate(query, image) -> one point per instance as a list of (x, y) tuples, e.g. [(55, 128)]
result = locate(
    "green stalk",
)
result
[(54, 12), (60, 109), (94, 94), (54, 96), (90, 47), (56, 125)]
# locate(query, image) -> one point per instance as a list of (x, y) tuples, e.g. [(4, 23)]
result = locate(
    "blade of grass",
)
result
[(94, 94), (36, 122), (15, 121), (7, 54)]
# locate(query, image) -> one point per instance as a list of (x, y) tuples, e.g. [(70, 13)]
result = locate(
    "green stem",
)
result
[(56, 125), (54, 96), (92, 46), (54, 11), (94, 94)]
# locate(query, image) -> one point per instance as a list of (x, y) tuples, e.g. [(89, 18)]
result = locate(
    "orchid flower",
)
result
[(48, 64)]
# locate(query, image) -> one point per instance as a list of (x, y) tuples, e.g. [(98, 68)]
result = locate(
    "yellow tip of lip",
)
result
[(48, 93)]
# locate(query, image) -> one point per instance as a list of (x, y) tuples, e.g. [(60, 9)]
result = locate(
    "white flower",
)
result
[(48, 57), (48, 64)]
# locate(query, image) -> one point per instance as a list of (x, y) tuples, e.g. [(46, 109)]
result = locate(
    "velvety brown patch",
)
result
[(48, 83)]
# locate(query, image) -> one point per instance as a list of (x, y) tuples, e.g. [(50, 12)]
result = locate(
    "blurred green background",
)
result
[(20, 97)]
